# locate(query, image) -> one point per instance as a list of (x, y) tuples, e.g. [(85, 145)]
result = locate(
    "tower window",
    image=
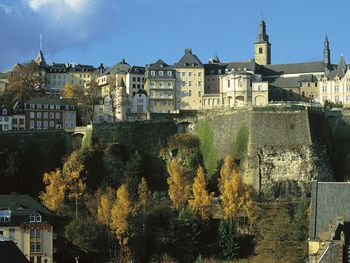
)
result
[(260, 50)]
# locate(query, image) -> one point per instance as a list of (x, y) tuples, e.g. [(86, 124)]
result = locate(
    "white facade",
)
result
[(335, 90), (5, 120)]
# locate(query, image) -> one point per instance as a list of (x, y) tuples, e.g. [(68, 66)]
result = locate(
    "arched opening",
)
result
[(260, 50), (260, 100), (184, 127), (240, 101)]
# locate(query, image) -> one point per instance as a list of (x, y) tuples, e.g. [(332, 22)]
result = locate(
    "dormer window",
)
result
[(35, 218), (161, 73), (4, 112), (5, 215)]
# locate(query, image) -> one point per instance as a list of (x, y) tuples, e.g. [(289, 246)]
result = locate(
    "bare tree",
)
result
[(26, 81), (91, 97)]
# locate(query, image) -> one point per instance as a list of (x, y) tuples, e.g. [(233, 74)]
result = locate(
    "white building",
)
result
[(5, 119)]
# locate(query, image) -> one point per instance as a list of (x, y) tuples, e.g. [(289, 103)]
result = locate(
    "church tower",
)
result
[(326, 53), (262, 46)]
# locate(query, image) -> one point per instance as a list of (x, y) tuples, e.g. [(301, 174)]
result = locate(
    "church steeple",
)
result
[(326, 52), (40, 59), (262, 46)]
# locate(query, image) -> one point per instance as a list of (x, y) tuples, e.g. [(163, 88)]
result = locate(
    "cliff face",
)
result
[(289, 170)]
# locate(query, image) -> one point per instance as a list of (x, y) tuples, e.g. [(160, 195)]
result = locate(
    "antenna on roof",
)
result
[(262, 15)]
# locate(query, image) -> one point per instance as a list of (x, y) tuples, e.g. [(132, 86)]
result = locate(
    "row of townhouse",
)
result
[(189, 84), (40, 114)]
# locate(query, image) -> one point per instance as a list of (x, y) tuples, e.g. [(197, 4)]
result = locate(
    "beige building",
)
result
[(160, 87), (262, 47), (28, 224), (335, 85), (189, 82)]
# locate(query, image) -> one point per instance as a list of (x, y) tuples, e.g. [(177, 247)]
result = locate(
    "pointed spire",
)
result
[(40, 59), (326, 42), (262, 37), (342, 64)]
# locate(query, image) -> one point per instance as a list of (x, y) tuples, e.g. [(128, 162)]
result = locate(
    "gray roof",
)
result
[(307, 78), (160, 65), (293, 68), (237, 66), (121, 66), (9, 252), (189, 60), (121, 83), (328, 200), (137, 70), (22, 206), (51, 100)]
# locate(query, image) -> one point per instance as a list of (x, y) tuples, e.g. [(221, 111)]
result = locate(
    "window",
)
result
[(46, 106), (189, 74), (190, 83), (199, 83), (324, 89), (199, 93), (336, 89), (160, 94), (199, 74), (38, 114), (170, 85), (152, 84), (31, 115), (183, 74), (260, 50), (259, 87), (153, 73), (161, 85), (170, 103), (14, 121), (46, 115), (6, 118), (12, 233), (58, 115), (336, 98), (52, 124), (21, 121), (31, 124), (183, 83), (32, 106), (52, 107), (228, 83), (161, 73), (38, 124), (217, 101), (5, 215), (348, 88), (190, 93), (347, 98), (219, 71), (170, 94), (169, 73), (139, 108), (46, 124)]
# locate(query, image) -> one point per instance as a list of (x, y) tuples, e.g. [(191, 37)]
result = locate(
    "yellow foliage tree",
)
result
[(75, 183), (179, 189), (55, 187), (68, 92), (202, 202), (104, 207), (226, 170), (144, 195), (120, 213)]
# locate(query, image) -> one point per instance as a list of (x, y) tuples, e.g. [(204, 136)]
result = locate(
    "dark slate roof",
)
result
[(189, 60), (237, 66), (284, 83), (328, 200), (141, 91), (22, 206), (307, 78), (137, 70), (160, 65), (292, 68), (51, 100), (10, 253), (121, 66)]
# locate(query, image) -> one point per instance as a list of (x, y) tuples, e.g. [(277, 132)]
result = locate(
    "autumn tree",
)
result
[(202, 202), (179, 189), (104, 214), (120, 212), (72, 170), (236, 197), (73, 91), (89, 100), (55, 188), (26, 81)]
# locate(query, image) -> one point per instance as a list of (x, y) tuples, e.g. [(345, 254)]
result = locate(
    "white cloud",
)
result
[(7, 9)]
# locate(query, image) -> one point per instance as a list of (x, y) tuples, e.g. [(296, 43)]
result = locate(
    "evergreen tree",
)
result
[(228, 239), (132, 175)]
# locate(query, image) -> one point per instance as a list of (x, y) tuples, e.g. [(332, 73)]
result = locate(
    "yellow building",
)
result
[(262, 47), (189, 82), (160, 85), (28, 224)]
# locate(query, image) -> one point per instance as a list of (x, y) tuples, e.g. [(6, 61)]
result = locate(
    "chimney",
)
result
[(188, 50)]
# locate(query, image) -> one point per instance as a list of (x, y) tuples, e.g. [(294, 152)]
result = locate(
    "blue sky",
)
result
[(141, 31)]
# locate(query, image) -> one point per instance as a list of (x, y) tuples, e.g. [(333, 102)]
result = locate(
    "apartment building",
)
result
[(5, 119)]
